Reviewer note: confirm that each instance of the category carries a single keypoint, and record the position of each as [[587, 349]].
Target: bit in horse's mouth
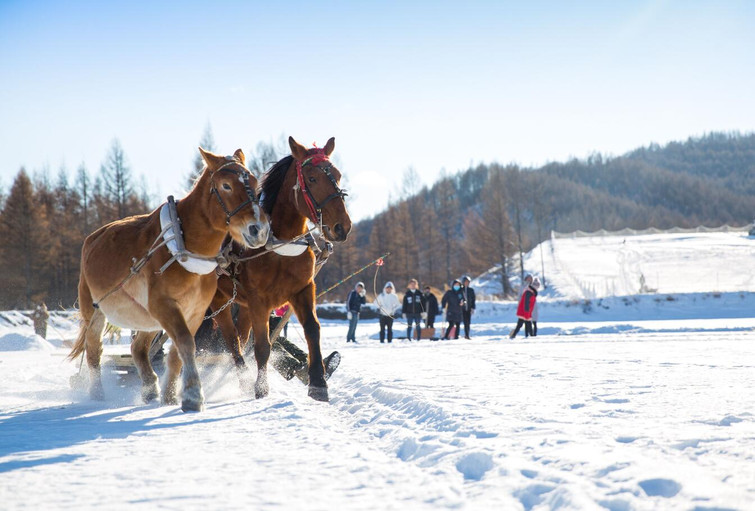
[[255, 242], [328, 233]]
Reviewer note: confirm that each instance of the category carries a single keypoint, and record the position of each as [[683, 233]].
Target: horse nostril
[[340, 233], [254, 231]]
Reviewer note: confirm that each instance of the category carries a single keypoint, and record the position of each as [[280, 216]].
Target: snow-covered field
[[621, 403], [600, 266]]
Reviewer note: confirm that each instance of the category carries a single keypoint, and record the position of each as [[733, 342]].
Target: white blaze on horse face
[[256, 232]]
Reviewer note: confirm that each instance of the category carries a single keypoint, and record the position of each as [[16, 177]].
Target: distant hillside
[[489, 214], [725, 159]]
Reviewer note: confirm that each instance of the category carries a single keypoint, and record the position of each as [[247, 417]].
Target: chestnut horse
[[158, 291], [302, 186]]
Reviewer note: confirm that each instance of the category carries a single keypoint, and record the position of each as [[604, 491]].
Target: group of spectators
[[416, 307]]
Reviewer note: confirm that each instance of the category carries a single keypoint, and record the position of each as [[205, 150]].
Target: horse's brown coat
[[174, 301], [271, 280]]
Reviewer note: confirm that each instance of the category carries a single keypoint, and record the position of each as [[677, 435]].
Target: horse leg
[[89, 339], [261, 350], [140, 353], [93, 335], [166, 311], [172, 371], [304, 307]]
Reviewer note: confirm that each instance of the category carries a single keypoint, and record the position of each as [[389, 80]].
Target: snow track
[[636, 420]]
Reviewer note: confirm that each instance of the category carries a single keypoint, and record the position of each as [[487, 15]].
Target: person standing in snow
[[526, 284], [276, 317], [453, 302], [39, 317], [469, 304], [413, 307], [535, 308], [431, 304], [524, 312], [354, 304], [388, 304]]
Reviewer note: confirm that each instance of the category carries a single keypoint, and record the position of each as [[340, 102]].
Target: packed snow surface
[[621, 403]]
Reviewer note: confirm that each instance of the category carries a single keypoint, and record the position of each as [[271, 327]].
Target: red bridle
[[316, 157]]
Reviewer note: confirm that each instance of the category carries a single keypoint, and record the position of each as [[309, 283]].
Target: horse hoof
[[191, 405], [318, 393], [150, 393], [261, 391], [96, 393]]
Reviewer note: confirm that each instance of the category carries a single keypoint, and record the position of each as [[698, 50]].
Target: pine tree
[[83, 187], [489, 230], [23, 227], [207, 142], [116, 179], [447, 212]]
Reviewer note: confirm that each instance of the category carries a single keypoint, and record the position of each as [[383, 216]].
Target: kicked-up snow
[[654, 419]]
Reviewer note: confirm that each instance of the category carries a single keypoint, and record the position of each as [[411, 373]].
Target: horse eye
[[226, 186], [312, 180]]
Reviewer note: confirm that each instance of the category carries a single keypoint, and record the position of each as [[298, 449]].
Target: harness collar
[[174, 242]]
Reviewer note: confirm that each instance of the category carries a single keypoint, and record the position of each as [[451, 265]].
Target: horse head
[[235, 207], [318, 180]]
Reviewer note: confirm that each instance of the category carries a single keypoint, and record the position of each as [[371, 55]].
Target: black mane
[[272, 182]]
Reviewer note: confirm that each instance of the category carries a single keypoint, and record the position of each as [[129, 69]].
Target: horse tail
[[86, 311], [81, 339]]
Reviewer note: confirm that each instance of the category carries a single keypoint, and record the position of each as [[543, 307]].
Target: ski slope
[[665, 263], [621, 403]]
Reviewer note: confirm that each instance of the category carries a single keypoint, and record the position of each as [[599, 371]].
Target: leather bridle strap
[[314, 207], [251, 196]]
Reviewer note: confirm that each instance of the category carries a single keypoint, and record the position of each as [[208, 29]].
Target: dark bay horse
[[302, 186], [140, 273]]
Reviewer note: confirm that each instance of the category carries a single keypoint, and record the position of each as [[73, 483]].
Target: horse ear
[[239, 155], [329, 146], [209, 158], [298, 151]]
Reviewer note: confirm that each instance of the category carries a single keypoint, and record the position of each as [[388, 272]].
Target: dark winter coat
[[452, 299], [432, 305], [469, 303], [355, 301], [527, 304], [414, 302]]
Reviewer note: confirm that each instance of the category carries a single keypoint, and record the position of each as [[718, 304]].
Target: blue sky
[[431, 85]]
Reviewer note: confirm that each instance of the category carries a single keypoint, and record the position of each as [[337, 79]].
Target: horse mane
[[272, 182]]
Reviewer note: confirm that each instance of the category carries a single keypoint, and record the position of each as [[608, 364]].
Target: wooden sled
[[426, 333]]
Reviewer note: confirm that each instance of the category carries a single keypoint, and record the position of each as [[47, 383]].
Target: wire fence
[[652, 230]]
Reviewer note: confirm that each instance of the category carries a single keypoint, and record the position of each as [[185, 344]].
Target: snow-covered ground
[[633, 402], [600, 266]]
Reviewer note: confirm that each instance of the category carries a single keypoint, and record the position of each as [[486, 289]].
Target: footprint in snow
[[660, 487], [473, 466]]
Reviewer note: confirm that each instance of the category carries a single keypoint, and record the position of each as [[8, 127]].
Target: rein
[[271, 245], [314, 207]]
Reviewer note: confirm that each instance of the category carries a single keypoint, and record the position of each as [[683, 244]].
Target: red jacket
[[527, 304]]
